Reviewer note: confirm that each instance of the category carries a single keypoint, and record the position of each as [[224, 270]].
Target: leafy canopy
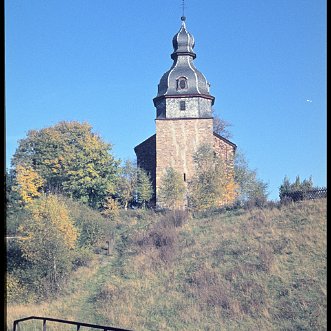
[[71, 160]]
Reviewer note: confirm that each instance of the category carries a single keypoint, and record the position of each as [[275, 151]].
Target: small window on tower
[[182, 105], [181, 83]]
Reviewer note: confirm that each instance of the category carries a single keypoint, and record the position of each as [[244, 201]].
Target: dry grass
[[237, 270], [67, 306]]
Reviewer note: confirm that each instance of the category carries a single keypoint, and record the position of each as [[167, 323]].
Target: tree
[[71, 160], [144, 187], [220, 126], [48, 237], [207, 188], [12, 196], [28, 183], [295, 190], [172, 189], [127, 183], [13, 201], [250, 188], [285, 187]]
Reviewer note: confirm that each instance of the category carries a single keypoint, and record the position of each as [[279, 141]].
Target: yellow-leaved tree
[[230, 191], [28, 183], [48, 239]]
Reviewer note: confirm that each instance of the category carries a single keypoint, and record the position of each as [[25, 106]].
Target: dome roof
[[183, 78], [183, 42]]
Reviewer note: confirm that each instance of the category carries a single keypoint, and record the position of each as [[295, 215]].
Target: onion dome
[[183, 42], [183, 79]]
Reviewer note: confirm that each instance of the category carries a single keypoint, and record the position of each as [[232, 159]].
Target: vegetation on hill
[[253, 264], [260, 268]]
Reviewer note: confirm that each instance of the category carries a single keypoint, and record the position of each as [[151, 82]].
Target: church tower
[[184, 118]]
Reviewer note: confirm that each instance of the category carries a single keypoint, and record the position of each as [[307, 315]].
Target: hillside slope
[[237, 270]]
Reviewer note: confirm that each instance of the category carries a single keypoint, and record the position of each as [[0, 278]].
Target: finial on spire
[[183, 18]]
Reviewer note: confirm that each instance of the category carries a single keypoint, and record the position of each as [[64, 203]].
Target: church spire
[[183, 42], [183, 79]]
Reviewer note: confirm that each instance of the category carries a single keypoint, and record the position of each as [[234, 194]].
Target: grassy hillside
[[237, 270]]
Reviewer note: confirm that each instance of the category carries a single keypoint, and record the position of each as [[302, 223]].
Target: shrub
[[14, 288], [48, 239], [163, 237], [93, 228]]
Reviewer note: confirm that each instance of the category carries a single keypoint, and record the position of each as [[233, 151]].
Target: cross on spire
[[183, 10]]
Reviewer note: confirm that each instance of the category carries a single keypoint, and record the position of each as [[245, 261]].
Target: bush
[[15, 289], [163, 237], [177, 217], [48, 239], [15, 219], [93, 227]]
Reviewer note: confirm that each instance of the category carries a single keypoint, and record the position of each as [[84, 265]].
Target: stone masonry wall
[[195, 107], [176, 142], [226, 151]]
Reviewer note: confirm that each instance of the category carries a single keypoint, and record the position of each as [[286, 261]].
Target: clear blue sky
[[101, 61]]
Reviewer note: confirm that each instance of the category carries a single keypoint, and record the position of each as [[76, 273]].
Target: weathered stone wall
[[194, 107], [176, 142], [226, 150]]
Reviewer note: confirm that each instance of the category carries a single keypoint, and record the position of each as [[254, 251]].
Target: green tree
[[207, 188], [172, 189], [297, 186], [48, 237], [284, 187], [71, 160], [307, 184], [127, 183], [250, 189], [144, 187]]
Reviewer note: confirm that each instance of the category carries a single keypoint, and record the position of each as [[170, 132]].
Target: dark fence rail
[[305, 195], [16, 326]]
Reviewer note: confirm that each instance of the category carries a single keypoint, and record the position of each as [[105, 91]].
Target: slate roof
[[183, 68]]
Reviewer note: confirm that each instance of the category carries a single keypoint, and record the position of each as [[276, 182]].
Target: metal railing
[[16, 326]]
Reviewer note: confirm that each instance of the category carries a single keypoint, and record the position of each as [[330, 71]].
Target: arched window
[[182, 83]]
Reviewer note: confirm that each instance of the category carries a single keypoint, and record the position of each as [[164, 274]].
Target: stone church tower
[[184, 118]]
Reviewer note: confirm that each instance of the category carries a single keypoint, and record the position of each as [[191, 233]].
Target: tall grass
[[231, 270]]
